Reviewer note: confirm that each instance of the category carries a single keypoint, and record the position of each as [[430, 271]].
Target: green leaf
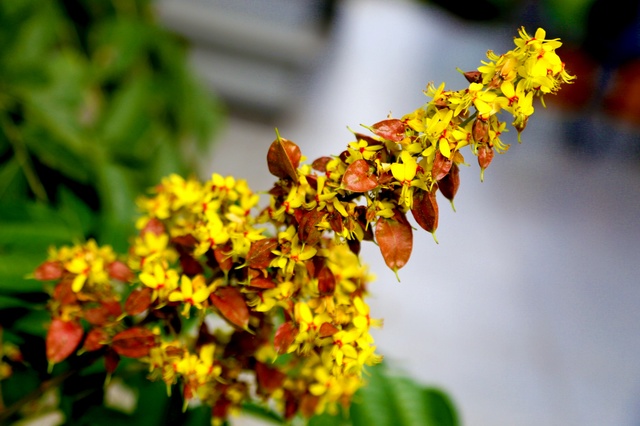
[[119, 45], [44, 142], [34, 236], [328, 420], [118, 189], [394, 399], [13, 302], [407, 396], [75, 213], [440, 408], [127, 115], [262, 413], [13, 184], [14, 267], [35, 322], [373, 404], [18, 385]]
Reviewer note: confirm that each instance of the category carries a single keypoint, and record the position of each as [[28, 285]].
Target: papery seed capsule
[[425, 210], [485, 155], [480, 131], [441, 166], [449, 184]]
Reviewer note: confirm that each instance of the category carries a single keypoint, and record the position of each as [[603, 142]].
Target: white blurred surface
[[527, 312]]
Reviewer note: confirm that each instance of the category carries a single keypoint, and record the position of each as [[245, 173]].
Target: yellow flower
[[291, 252], [361, 149], [192, 292], [159, 278], [405, 174], [211, 233], [88, 262]]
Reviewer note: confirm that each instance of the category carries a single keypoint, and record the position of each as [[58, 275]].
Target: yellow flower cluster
[[87, 262], [200, 247], [219, 291]]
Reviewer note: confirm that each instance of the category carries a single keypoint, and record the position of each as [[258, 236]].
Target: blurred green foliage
[[97, 103]]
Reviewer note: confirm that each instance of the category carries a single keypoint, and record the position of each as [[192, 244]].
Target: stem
[[22, 155], [471, 117]]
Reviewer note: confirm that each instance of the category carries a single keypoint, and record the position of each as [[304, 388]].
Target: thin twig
[[22, 155]]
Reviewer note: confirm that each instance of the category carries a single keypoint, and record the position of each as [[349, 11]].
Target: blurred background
[[527, 312]]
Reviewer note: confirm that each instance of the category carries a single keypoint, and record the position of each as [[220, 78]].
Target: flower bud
[[480, 131]]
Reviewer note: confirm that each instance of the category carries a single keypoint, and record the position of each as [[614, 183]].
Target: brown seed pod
[[449, 184], [485, 155], [425, 210]]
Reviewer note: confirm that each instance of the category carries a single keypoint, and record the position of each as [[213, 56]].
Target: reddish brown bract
[[425, 209], [49, 270], [284, 337], [395, 238], [283, 159], [260, 255], [135, 342], [138, 301], [359, 178], [231, 305], [63, 337], [391, 129]]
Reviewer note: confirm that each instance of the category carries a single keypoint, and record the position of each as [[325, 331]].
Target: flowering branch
[[287, 280]]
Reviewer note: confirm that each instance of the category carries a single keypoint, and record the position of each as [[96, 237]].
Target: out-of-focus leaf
[[25, 235], [35, 322], [393, 399], [14, 267], [57, 108], [13, 302], [118, 44], [13, 184], [117, 187], [75, 213], [33, 34], [441, 410], [340, 419], [127, 116], [44, 144], [18, 385], [263, 413], [166, 160], [373, 403]]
